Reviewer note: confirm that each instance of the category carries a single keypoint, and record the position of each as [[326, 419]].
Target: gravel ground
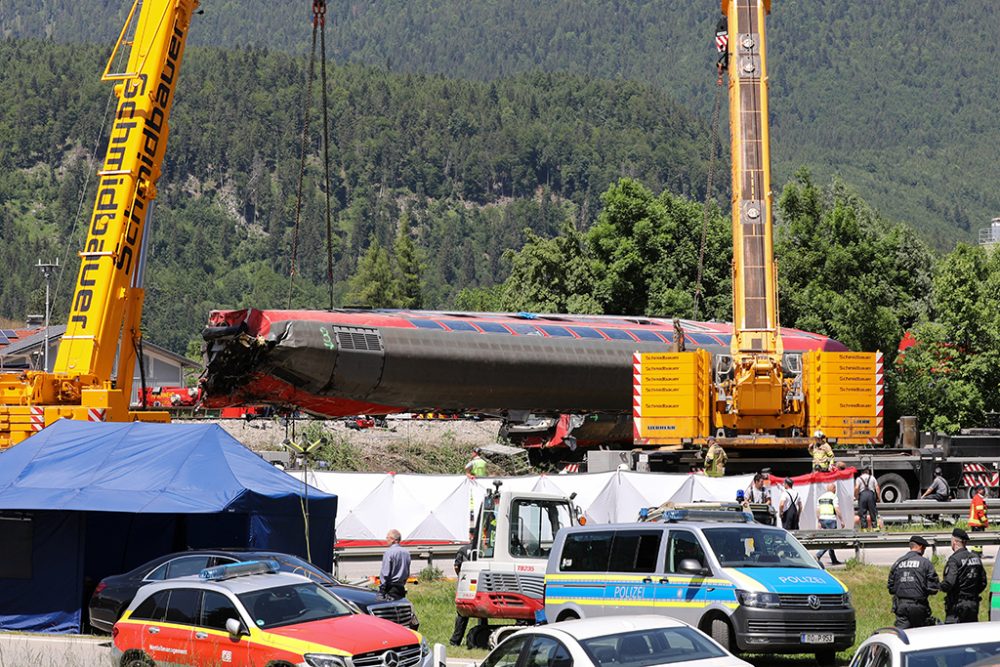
[[406, 445]]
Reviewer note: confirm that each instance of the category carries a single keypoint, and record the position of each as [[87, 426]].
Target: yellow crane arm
[[103, 327], [107, 302], [755, 299]]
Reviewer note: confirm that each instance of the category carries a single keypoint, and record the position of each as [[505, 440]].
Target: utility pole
[[47, 270]]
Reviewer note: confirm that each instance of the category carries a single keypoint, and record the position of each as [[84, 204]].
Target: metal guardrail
[[850, 539], [428, 552], [929, 508]]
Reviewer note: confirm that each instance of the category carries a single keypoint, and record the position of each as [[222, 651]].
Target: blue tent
[[80, 501]]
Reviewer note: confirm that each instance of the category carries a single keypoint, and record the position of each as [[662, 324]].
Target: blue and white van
[[751, 587]]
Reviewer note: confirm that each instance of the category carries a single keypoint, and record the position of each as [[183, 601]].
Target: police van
[[751, 587]]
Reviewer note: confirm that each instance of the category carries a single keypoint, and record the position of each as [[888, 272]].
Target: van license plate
[[817, 638]]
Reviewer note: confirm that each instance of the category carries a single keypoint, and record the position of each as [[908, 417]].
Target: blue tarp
[[93, 499]]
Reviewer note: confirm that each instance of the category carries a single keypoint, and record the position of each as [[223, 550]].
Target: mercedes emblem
[[391, 658]]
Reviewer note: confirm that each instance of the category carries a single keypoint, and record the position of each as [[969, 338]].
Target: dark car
[[113, 594]]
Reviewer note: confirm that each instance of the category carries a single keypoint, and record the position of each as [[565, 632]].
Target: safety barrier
[[924, 508], [858, 541]]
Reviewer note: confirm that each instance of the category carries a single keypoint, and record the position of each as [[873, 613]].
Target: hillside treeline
[[898, 99], [463, 168]]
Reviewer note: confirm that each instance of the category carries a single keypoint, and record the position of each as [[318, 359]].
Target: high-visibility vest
[[823, 456], [977, 512], [715, 461], [478, 468], [827, 505]]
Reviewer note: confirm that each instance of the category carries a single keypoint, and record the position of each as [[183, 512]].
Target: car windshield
[[296, 603], [656, 646], [954, 656], [296, 565], [750, 546]]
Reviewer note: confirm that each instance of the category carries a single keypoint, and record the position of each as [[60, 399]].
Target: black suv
[[114, 593]]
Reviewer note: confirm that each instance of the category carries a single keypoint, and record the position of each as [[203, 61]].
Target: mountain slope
[[897, 98], [463, 167]]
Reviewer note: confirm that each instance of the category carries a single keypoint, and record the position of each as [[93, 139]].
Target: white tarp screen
[[438, 508]]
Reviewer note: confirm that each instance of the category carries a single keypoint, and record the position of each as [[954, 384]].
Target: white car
[[951, 645], [617, 641]]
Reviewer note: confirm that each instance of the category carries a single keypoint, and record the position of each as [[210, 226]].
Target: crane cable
[[318, 25], [716, 112]]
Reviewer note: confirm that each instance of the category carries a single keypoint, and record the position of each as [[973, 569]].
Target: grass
[[435, 605]]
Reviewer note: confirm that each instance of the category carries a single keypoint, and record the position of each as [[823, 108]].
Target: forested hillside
[[445, 174], [897, 98]]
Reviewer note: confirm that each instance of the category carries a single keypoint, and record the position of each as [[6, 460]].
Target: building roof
[[31, 338]]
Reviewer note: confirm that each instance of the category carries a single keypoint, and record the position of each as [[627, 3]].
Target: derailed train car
[[346, 362]]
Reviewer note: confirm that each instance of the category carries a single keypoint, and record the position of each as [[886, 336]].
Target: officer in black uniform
[[964, 579], [911, 580]]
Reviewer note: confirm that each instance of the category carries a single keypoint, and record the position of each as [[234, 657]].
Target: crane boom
[[92, 375], [755, 302], [757, 395]]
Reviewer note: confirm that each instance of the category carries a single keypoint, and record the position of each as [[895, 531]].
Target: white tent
[[438, 508]]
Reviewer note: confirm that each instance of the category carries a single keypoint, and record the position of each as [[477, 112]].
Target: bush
[[429, 574]]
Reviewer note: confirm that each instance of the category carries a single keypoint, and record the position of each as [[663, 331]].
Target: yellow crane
[[92, 375], [756, 395]]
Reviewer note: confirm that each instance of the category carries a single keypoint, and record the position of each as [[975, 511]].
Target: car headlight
[[425, 647], [325, 660], [757, 599]]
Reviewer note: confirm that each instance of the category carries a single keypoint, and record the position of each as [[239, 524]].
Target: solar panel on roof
[[4, 340], [9, 333]]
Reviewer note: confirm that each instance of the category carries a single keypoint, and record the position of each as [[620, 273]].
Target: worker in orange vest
[[978, 521]]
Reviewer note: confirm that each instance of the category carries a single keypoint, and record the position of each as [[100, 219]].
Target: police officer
[[911, 580], [964, 579]]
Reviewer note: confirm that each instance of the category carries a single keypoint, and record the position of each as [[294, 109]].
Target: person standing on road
[[822, 452], [829, 519], [939, 489], [963, 582], [395, 568], [715, 459], [791, 507], [912, 580], [476, 465], [867, 492], [978, 521]]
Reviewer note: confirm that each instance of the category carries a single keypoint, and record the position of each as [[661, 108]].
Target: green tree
[[374, 284], [646, 251], [408, 267], [551, 276], [844, 272]]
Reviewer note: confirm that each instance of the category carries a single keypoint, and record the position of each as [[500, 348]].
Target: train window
[[493, 327], [524, 329], [560, 332], [701, 339], [726, 339], [667, 336], [427, 324], [617, 334], [456, 325], [585, 332], [648, 336]]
